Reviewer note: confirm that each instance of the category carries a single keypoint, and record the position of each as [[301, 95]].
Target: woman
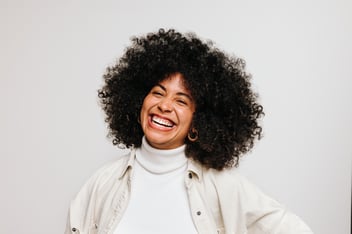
[[188, 112]]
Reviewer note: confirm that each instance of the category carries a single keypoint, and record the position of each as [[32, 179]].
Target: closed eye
[[182, 102], [157, 93]]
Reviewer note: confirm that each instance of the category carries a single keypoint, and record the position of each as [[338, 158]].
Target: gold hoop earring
[[193, 135]]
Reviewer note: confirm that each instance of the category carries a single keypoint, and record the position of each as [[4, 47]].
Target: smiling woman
[[167, 112], [188, 112]]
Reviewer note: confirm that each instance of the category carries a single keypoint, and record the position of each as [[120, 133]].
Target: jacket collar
[[129, 164], [192, 166], [195, 168]]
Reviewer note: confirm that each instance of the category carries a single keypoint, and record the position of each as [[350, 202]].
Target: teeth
[[161, 121]]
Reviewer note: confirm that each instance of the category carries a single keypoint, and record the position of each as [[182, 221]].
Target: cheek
[[142, 112], [144, 109], [187, 118], [148, 100]]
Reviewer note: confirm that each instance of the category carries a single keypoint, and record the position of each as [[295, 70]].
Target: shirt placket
[[203, 222]]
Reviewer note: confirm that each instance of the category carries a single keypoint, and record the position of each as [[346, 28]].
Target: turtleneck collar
[[159, 161]]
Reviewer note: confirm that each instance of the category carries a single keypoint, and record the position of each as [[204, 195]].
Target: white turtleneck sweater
[[158, 202]]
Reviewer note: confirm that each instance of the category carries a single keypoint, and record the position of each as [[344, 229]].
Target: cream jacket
[[220, 202]]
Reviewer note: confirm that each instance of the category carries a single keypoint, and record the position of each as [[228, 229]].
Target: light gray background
[[52, 133]]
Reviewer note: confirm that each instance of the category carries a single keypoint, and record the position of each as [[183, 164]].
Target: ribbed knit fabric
[[158, 202]]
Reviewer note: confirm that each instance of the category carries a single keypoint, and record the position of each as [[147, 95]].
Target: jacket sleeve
[[264, 215]]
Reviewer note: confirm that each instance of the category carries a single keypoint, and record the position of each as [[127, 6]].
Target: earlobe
[[193, 135]]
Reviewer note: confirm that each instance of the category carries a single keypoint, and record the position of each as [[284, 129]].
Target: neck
[[158, 161]]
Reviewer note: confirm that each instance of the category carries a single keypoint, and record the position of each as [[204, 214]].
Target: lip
[[158, 126]]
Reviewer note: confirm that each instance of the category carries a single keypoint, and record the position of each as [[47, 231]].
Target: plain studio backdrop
[[52, 132]]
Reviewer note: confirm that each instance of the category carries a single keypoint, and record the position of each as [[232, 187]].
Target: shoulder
[[93, 193], [228, 177], [230, 183], [111, 171]]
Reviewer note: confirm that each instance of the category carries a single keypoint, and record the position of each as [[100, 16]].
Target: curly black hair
[[227, 111]]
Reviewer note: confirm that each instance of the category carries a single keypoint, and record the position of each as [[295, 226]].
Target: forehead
[[175, 82]]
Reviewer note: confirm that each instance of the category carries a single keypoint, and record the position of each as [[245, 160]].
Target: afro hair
[[227, 111]]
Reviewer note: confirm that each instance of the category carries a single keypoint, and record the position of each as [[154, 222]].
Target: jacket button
[[190, 175], [199, 213], [74, 229]]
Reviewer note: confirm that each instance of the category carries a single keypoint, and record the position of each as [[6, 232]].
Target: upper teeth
[[162, 121]]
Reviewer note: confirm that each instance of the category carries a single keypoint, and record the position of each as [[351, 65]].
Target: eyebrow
[[179, 93]]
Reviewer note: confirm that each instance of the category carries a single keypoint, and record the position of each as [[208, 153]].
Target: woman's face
[[167, 112]]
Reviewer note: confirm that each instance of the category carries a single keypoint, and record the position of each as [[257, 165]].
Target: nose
[[165, 105]]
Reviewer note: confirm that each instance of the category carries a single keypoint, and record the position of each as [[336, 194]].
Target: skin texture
[[227, 111], [167, 112]]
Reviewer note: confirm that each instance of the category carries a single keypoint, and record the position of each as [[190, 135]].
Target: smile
[[162, 121]]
